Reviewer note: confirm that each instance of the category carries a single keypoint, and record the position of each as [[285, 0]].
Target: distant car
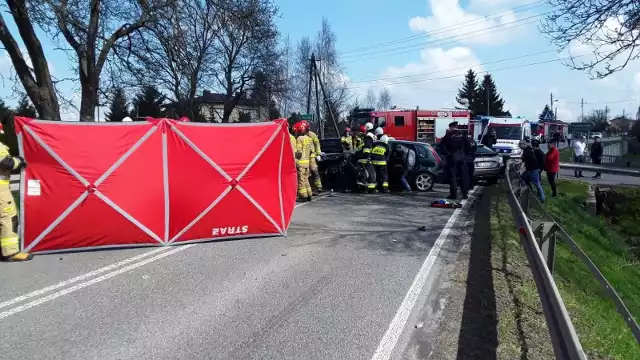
[[488, 164], [427, 171]]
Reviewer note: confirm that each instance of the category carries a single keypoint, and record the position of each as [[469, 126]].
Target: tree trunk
[[89, 90]]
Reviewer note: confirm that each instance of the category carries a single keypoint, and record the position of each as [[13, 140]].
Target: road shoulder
[[487, 300]]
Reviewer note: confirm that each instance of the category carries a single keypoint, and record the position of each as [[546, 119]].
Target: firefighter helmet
[[184, 119], [368, 126], [1, 128], [379, 131], [363, 129], [126, 119], [305, 125], [347, 130], [384, 139]]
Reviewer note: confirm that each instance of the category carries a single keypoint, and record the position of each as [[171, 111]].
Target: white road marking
[[79, 278], [88, 275], [82, 285], [391, 337]]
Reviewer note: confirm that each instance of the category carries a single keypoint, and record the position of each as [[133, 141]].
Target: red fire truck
[[419, 125]]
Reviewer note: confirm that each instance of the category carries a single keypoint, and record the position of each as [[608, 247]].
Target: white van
[[509, 133]]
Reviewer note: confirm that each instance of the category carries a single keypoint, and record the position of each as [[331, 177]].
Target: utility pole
[[582, 110], [551, 102], [318, 118], [312, 63]]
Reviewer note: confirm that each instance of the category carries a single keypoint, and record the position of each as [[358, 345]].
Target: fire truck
[[415, 125], [546, 129]]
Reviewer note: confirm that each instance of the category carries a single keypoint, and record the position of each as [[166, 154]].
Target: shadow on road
[[478, 331]]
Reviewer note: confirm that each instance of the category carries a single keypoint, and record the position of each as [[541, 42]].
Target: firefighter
[[365, 157], [9, 241], [347, 140], [303, 152], [358, 138], [379, 157], [379, 132], [316, 155]]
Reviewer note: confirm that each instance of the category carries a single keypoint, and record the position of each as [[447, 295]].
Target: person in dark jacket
[[471, 157], [456, 147], [531, 167], [490, 138], [535, 144], [596, 154], [406, 158]]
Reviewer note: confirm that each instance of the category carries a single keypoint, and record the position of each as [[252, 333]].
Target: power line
[[460, 68], [516, 9], [455, 38], [479, 72]]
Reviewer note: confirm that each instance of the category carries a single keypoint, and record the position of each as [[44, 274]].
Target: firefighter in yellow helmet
[[379, 157], [358, 138], [9, 241], [316, 153], [303, 153]]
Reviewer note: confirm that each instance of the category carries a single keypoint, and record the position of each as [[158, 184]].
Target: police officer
[[471, 156], [9, 241], [315, 156], [303, 153], [456, 147], [379, 157], [347, 140]]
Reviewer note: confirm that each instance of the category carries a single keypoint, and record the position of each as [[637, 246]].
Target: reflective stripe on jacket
[[303, 150], [380, 154]]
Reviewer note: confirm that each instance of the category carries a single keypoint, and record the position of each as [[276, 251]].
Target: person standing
[[347, 140], [535, 144], [303, 153], [569, 137], [379, 157], [316, 155], [9, 240], [456, 148], [578, 153], [595, 153], [532, 168], [552, 167]]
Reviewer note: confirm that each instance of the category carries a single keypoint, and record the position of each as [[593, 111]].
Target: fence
[[612, 150], [539, 240]]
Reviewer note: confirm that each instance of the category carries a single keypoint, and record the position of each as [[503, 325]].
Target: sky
[[420, 51]]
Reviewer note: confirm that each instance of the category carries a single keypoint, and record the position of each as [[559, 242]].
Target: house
[[211, 108], [620, 124]]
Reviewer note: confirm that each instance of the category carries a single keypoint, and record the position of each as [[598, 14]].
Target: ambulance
[[509, 131]]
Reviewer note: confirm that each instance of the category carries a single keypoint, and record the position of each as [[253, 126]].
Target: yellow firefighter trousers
[[304, 187], [315, 174], [9, 241]]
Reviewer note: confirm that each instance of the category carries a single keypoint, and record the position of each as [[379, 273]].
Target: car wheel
[[423, 181]]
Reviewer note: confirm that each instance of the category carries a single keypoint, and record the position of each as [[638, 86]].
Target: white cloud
[[410, 86], [449, 21]]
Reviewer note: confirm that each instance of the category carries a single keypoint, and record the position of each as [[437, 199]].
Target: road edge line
[[399, 322]]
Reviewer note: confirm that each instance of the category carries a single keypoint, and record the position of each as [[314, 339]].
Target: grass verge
[[601, 330], [522, 329], [566, 155]]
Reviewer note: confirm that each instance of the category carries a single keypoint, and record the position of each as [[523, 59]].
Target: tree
[[264, 90], [89, 29], [148, 102], [25, 108], [330, 69], [247, 41], [371, 100], [119, 108], [610, 27], [176, 53], [546, 113], [35, 78], [384, 99], [300, 76], [468, 94], [9, 137], [488, 91], [244, 117], [599, 119], [274, 112]]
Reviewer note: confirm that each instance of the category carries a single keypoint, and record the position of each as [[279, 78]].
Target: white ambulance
[[509, 131]]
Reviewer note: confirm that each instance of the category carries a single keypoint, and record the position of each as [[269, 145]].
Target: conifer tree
[[119, 108]]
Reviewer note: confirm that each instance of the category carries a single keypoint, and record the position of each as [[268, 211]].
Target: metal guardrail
[[614, 170], [538, 239]]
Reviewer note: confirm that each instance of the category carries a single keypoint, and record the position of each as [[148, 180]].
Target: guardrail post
[[545, 233]]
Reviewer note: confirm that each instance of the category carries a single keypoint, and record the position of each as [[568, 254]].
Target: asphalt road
[[330, 290]]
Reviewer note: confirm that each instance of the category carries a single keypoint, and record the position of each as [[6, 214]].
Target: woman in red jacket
[[552, 166]]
